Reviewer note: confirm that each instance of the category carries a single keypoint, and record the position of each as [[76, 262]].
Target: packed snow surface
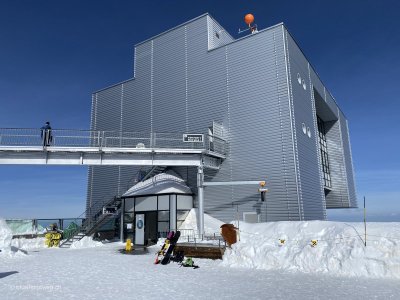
[[339, 250], [86, 242], [105, 273]]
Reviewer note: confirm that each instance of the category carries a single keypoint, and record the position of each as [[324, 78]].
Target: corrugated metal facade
[[311, 98], [195, 74], [309, 176]]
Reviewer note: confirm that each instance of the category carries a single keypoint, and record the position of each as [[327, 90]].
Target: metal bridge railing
[[105, 139]]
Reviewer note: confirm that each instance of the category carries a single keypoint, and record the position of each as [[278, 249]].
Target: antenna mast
[[249, 19]]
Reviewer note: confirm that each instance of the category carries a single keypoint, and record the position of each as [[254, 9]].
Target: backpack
[[189, 263]]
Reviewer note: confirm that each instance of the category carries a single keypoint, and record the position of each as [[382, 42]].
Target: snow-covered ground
[[256, 268], [104, 273]]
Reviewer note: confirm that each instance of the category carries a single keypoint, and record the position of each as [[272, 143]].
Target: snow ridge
[[339, 251]]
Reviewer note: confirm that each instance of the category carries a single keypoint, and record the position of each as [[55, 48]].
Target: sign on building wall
[[193, 138]]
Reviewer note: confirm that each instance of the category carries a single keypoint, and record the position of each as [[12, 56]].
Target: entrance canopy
[[163, 183]]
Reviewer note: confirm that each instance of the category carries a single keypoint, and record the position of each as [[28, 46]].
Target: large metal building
[[280, 122]]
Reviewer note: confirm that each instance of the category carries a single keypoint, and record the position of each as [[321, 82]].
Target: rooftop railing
[[24, 137]]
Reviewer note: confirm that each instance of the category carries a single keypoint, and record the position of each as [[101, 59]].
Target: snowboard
[[161, 253], [167, 257]]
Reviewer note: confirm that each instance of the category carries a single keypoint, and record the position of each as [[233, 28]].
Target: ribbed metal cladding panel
[[169, 82], [352, 200], [136, 106], [89, 189], [316, 82], [136, 117], [330, 101], [108, 109], [104, 186], [208, 102], [324, 93], [210, 99], [128, 178], [217, 35], [104, 180], [260, 136], [137, 114], [312, 196], [338, 197]]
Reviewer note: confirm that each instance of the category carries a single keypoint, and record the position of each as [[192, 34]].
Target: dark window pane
[[163, 215]]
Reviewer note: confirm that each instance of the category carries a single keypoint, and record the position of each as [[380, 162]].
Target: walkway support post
[[200, 192], [121, 223]]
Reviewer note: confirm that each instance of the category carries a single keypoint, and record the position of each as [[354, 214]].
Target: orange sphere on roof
[[249, 18]]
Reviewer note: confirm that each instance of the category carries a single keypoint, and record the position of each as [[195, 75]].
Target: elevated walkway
[[85, 147]]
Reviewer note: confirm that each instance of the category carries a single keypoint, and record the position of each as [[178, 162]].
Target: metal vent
[[250, 217]]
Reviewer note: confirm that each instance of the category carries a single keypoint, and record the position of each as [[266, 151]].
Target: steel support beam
[[211, 183], [200, 194], [93, 159], [121, 223]]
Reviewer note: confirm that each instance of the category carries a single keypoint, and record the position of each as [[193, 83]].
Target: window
[[324, 153]]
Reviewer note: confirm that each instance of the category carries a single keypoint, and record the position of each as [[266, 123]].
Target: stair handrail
[[88, 222]]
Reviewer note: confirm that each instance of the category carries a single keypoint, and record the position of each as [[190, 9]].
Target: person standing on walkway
[[45, 134]]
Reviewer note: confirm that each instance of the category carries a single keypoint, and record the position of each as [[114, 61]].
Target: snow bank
[[340, 249], [211, 224], [86, 242], [29, 244], [7, 250], [5, 235]]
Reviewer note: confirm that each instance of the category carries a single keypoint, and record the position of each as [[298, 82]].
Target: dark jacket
[[44, 128]]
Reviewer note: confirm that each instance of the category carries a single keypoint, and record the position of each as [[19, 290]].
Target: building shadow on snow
[[5, 274]]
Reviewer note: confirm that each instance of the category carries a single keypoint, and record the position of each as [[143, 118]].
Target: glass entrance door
[[150, 227]]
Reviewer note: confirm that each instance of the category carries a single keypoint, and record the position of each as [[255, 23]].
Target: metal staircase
[[92, 225], [108, 211], [68, 242]]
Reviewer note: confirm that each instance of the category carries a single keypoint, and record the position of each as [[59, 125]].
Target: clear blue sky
[[54, 54]]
